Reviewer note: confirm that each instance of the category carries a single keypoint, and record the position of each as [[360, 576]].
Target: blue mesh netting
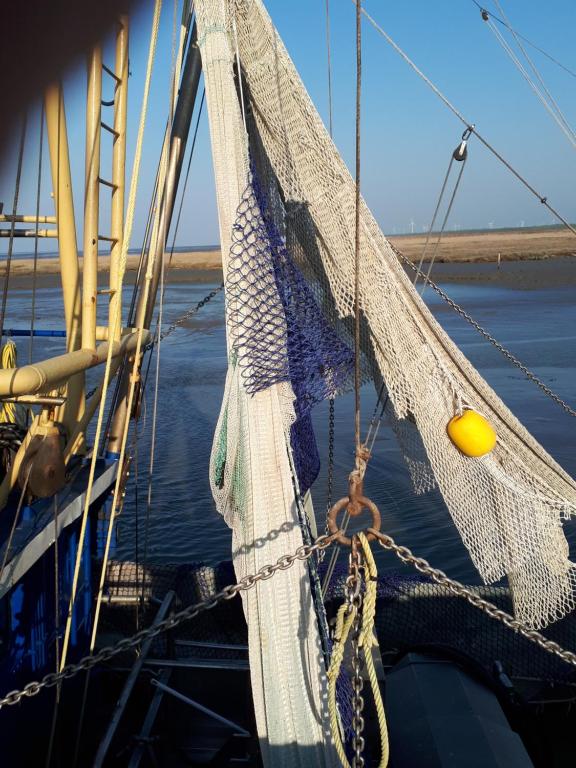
[[280, 333]]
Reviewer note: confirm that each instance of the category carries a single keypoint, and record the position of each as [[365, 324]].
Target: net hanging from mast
[[509, 505], [252, 469], [279, 331]]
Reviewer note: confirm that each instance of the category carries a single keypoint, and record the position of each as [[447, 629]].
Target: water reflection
[[536, 325]]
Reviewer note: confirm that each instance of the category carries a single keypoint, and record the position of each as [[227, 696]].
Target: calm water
[[538, 326]]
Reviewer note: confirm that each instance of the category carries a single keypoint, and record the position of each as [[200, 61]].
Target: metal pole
[[91, 199], [50, 373], [138, 751], [178, 139], [201, 708], [128, 687], [28, 219], [118, 173], [68, 251]]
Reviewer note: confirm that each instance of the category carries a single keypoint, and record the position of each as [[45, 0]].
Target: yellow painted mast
[[118, 171], [91, 198], [68, 251]]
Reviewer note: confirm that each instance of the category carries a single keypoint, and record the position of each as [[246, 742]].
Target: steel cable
[[469, 125]]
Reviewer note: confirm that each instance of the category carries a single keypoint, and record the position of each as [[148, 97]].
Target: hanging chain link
[[330, 472], [483, 332], [176, 324], [330, 478], [186, 316], [355, 599], [266, 572], [491, 610]]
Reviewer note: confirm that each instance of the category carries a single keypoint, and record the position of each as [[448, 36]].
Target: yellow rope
[[368, 640], [122, 268], [9, 357], [344, 621]]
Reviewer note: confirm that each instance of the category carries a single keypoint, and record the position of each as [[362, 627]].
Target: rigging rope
[[531, 44], [122, 268], [185, 186], [36, 239], [548, 102], [536, 72], [132, 309], [357, 371], [16, 518], [175, 79], [55, 712], [369, 440], [145, 250], [470, 126], [329, 67], [13, 224], [134, 377], [330, 479], [331, 408], [460, 154]]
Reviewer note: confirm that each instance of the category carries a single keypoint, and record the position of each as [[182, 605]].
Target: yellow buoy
[[471, 433]]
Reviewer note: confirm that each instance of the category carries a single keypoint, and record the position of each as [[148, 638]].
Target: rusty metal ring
[[362, 502]]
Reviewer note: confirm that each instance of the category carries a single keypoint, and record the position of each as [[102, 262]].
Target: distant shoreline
[[456, 250]]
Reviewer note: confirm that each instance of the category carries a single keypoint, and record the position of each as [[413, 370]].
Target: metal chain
[[91, 392], [491, 610], [187, 315], [330, 475], [355, 599], [266, 572], [330, 478], [483, 332]]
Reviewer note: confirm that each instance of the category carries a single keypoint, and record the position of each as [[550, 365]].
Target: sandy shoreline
[[529, 259]]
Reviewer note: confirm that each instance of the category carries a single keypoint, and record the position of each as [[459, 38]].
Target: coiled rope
[[347, 614]]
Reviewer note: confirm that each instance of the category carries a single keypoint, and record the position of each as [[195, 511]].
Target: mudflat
[[523, 258], [485, 246]]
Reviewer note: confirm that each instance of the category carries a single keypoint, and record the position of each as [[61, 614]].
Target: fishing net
[[508, 506], [279, 332], [411, 612], [252, 468], [287, 227]]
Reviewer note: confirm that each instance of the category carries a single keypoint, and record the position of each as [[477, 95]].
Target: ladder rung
[[28, 219], [111, 73], [107, 183], [108, 239], [109, 128], [107, 103], [8, 233]]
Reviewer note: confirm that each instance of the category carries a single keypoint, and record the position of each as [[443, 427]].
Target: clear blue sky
[[407, 135]]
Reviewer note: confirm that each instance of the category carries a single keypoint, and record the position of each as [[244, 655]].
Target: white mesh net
[[508, 506], [251, 473]]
